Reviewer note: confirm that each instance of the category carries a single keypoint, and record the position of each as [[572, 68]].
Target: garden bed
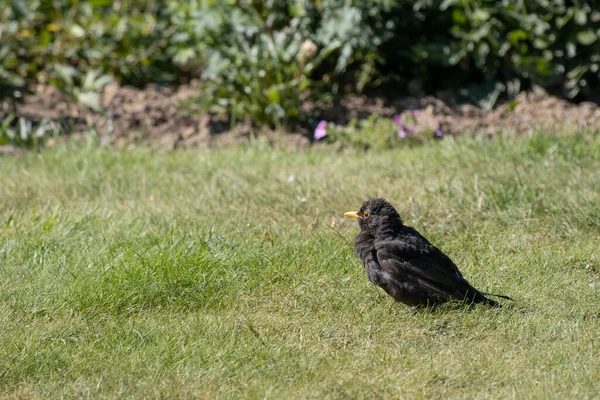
[[154, 116]]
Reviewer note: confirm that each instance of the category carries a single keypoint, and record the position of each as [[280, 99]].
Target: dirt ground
[[153, 115]]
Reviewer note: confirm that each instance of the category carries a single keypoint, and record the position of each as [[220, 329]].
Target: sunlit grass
[[230, 273]]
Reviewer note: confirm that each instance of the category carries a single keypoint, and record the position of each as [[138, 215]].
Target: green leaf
[[90, 77], [100, 3], [458, 16], [562, 20], [20, 8], [447, 4], [540, 44], [90, 99], [45, 38], [65, 73], [577, 72], [6, 123], [344, 58], [481, 15], [517, 35], [274, 95], [580, 16], [571, 89], [180, 37], [103, 81], [184, 55], [586, 37]]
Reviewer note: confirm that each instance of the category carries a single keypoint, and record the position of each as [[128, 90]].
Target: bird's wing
[[408, 272], [417, 261]]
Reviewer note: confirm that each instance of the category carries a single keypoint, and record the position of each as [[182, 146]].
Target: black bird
[[403, 263]]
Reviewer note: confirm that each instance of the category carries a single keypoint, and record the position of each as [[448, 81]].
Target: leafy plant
[[551, 43], [24, 133], [11, 84], [273, 61], [81, 88], [263, 81]]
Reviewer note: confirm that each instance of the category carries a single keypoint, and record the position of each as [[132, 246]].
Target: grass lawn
[[231, 273]]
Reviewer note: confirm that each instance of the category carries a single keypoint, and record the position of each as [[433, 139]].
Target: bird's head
[[375, 215]]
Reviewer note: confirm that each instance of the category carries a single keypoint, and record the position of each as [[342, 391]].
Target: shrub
[[264, 59], [273, 61], [547, 43], [128, 39]]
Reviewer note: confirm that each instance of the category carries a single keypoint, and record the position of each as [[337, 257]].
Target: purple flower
[[438, 133], [405, 129], [321, 130], [415, 113]]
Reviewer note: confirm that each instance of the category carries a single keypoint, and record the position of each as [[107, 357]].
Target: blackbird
[[406, 265]]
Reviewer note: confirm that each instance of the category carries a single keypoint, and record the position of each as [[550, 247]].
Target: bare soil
[[153, 115]]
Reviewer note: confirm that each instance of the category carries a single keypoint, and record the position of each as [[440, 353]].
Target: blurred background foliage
[[275, 60]]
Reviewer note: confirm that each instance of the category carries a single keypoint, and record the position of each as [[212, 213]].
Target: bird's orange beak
[[352, 214]]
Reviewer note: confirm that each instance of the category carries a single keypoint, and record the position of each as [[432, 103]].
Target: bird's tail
[[486, 300], [497, 295], [477, 296]]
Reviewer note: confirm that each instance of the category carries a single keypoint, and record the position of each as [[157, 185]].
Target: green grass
[[231, 273]]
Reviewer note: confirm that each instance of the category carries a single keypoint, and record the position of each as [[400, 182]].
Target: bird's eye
[[366, 214]]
